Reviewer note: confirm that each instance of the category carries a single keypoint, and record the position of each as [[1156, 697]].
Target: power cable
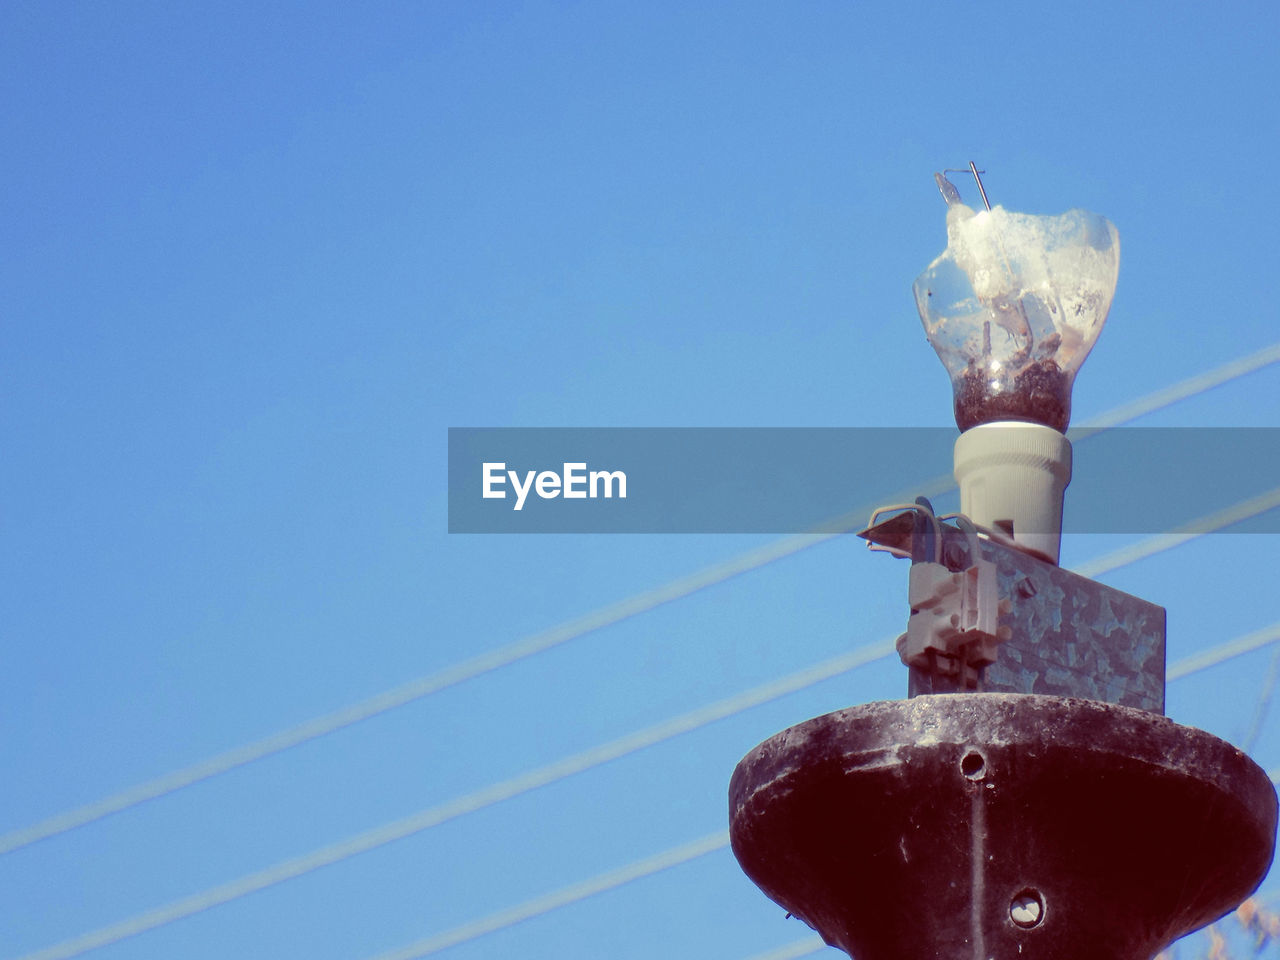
[[478, 928], [1226, 651], [1179, 391], [813, 945], [792, 951], [470, 803], [543, 776], [1250, 738], [1149, 546], [424, 686], [606, 616], [560, 898]]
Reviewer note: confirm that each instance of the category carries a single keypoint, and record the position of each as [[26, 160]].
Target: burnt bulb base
[[1039, 393]]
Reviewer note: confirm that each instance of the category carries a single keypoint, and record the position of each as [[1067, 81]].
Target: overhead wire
[[475, 929], [606, 616], [559, 770], [792, 951], [1250, 739], [1226, 651], [672, 858], [436, 682], [460, 806], [1178, 391], [559, 898], [1149, 546]]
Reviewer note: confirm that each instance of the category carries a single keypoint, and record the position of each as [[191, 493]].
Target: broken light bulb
[[1013, 306]]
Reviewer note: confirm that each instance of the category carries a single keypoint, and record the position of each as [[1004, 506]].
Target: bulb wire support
[[948, 189]]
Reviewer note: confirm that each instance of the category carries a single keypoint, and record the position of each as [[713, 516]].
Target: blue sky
[[259, 260]]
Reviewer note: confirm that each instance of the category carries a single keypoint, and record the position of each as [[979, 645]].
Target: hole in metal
[[1027, 909], [973, 766]]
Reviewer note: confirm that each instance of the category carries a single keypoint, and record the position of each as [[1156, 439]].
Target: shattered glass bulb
[[1014, 305]]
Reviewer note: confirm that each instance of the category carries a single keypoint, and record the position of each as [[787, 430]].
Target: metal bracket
[[1055, 632], [952, 630]]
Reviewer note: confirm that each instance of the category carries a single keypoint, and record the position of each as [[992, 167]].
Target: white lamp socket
[[1012, 477]]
